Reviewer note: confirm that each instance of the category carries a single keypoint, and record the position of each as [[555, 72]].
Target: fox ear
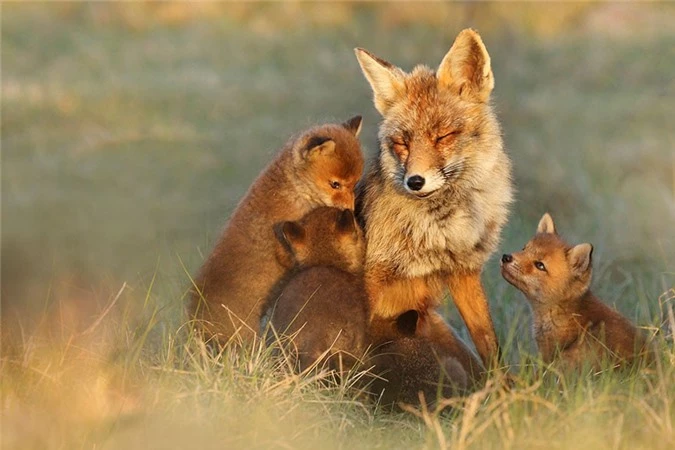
[[317, 145], [290, 236], [289, 233], [345, 222], [466, 68], [386, 80], [546, 225], [580, 258], [354, 125], [406, 323]]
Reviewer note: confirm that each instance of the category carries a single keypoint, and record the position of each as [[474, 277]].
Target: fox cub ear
[[290, 235], [406, 323], [354, 125], [386, 80], [546, 225], [315, 146], [345, 222], [466, 68], [580, 257], [291, 232]]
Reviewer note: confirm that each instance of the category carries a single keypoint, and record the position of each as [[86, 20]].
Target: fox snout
[[415, 182], [422, 174], [422, 184], [344, 202], [509, 267]]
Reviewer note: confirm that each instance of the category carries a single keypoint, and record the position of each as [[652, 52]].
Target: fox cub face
[[547, 270], [323, 237], [435, 123], [329, 162]]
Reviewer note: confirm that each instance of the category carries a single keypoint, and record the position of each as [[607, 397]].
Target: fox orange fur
[[570, 324], [435, 200], [319, 167]]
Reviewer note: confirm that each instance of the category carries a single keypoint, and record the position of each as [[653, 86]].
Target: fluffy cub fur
[[406, 365], [320, 167], [570, 325]]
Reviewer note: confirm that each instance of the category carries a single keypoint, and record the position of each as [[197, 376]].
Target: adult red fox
[[434, 201]]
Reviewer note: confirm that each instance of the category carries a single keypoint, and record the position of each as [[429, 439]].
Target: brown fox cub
[[319, 167], [435, 200], [570, 323], [320, 305]]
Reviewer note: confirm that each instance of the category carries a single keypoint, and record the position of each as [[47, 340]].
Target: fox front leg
[[469, 297]]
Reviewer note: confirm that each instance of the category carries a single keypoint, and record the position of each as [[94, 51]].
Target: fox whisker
[[452, 169]]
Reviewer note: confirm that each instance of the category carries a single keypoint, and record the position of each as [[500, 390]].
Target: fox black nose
[[507, 258], [415, 182]]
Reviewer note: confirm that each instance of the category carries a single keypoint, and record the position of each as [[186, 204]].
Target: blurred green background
[[130, 131]]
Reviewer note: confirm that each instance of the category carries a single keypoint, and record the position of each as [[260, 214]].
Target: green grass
[[129, 134]]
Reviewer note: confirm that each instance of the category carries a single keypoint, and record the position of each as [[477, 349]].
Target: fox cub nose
[[415, 182], [507, 258]]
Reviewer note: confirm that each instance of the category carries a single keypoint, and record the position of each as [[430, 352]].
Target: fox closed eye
[[453, 133], [399, 142]]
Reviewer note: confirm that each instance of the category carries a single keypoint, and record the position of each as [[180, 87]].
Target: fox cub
[[319, 167], [320, 305], [571, 325]]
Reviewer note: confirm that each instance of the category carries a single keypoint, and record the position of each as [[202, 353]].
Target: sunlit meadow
[[130, 131]]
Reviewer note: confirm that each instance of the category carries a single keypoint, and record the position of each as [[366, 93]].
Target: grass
[[130, 132]]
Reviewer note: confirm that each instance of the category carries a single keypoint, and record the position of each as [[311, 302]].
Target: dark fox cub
[[319, 310], [320, 305], [571, 325]]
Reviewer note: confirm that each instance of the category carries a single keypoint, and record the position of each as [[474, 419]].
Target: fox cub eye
[[335, 184], [540, 265]]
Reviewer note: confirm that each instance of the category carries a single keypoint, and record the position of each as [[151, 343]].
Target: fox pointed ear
[[466, 68], [546, 225], [406, 323], [289, 233], [386, 80], [317, 145], [345, 221], [354, 125], [580, 258]]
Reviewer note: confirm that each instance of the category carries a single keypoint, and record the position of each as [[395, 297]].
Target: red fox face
[[547, 270], [329, 163], [435, 123], [324, 236]]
